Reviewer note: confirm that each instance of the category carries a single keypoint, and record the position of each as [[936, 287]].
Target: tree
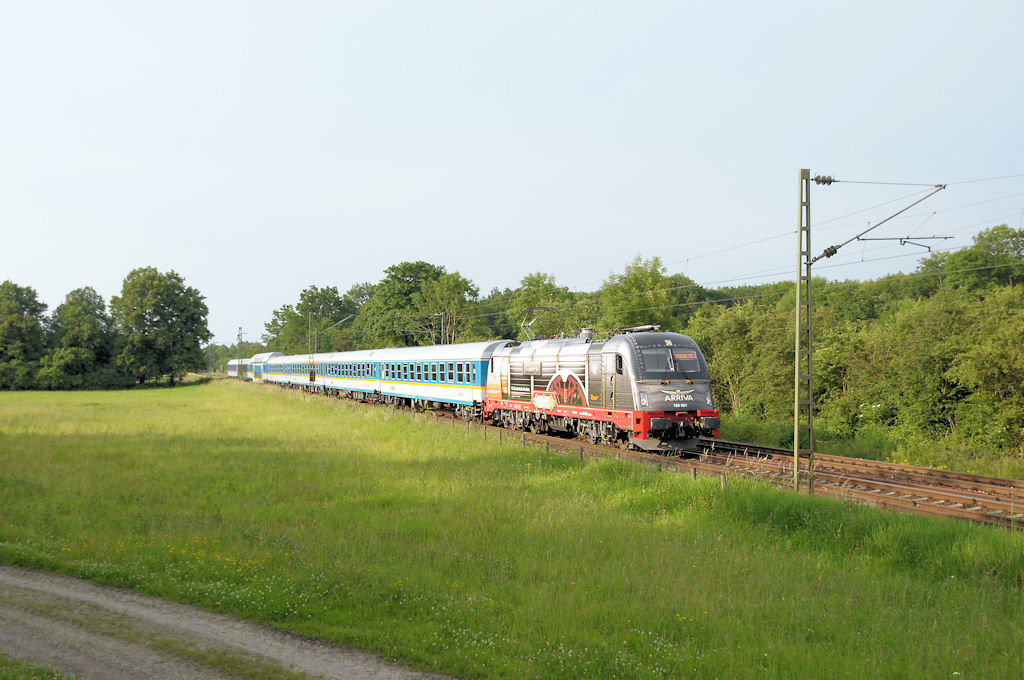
[[685, 296], [295, 329], [163, 322], [82, 344], [638, 296], [995, 258], [749, 350], [445, 312], [22, 340], [217, 356], [390, 318], [991, 366]]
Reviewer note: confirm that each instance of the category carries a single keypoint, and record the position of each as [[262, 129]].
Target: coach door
[[608, 381]]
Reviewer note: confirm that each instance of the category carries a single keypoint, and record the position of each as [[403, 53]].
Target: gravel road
[[92, 631]]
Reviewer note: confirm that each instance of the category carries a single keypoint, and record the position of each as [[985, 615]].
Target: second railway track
[[893, 486]]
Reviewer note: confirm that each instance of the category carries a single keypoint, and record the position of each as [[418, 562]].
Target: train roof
[[466, 351], [262, 358]]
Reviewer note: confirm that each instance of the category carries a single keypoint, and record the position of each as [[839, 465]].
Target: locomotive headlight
[[643, 398]]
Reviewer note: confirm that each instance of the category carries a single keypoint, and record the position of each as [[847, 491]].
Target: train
[[638, 388]]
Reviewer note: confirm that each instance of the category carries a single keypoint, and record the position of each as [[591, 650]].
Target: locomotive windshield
[[666, 363]]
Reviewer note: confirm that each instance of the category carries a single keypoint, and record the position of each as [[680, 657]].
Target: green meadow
[[12, 669], [448, 551]]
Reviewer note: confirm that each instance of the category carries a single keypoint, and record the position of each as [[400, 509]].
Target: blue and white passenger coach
[[454, 375]]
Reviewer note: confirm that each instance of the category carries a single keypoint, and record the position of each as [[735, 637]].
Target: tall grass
[[883, 443], [430, 544]]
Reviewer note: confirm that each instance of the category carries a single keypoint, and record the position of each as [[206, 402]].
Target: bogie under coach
[[639, 388]]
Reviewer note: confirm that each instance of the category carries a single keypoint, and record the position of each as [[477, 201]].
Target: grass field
[[12, 669], [394, 533]]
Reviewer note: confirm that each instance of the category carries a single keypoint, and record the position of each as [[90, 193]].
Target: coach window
[[474, 374], [451, 372], [419, 372]]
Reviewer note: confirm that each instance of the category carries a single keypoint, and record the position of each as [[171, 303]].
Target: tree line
[[154, 329], [934, 353]]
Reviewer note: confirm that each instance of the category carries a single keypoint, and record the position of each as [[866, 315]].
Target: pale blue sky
[[260, 147]]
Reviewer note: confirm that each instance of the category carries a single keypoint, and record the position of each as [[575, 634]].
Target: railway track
[[908, 488], [903, 488]]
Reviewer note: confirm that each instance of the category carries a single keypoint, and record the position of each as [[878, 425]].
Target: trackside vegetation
[[430, 544]]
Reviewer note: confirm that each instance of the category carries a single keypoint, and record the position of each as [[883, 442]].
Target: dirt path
[[92, 631]]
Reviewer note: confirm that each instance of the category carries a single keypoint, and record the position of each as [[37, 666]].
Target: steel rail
[[905, 488]]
